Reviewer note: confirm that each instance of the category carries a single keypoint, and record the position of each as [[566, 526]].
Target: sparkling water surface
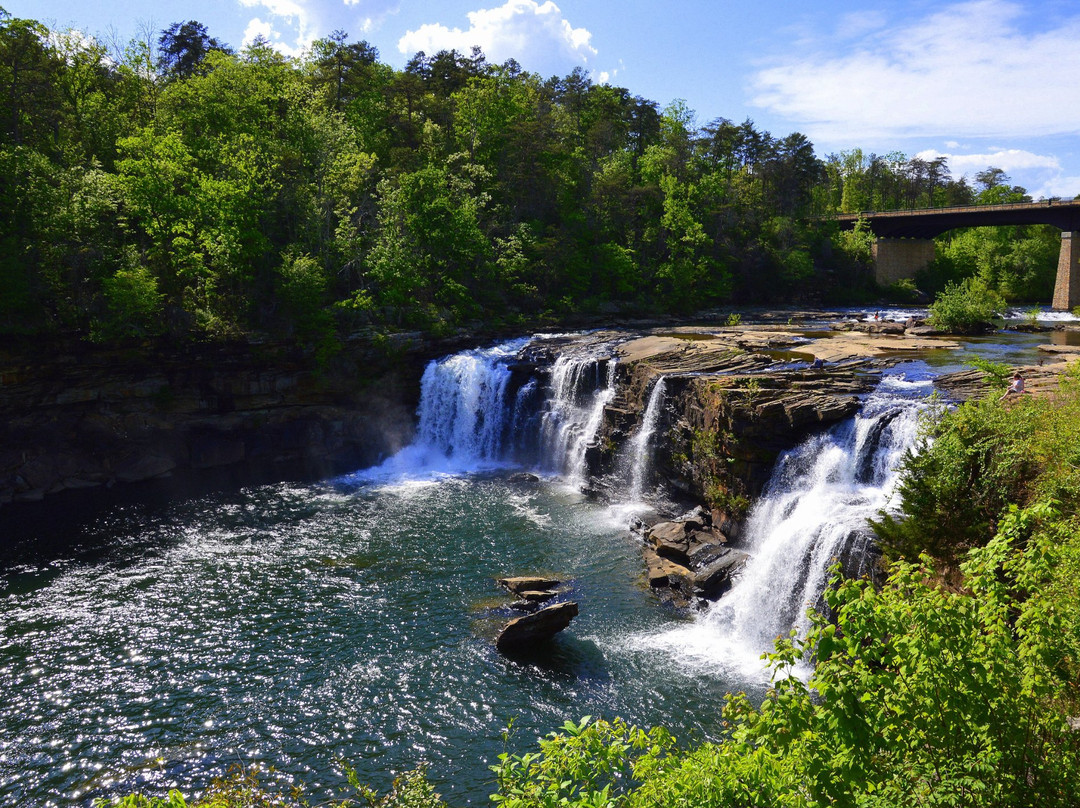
[[302, 625]]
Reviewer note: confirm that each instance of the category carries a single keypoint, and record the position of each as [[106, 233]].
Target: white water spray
[[640, 458], [813, 512], [471, 418]]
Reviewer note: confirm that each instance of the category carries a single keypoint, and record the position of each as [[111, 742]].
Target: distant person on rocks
[[1016, 386], [819, 363]]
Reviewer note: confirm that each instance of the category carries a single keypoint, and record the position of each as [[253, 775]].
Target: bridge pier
[[897, 258], [1067, 286]]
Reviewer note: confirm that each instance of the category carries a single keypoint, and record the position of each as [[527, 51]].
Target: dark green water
[[303, 625]]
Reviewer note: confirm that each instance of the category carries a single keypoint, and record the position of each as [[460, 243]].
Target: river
[[301, 625]]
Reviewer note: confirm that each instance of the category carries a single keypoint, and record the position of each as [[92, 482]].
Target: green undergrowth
[[973, 461]]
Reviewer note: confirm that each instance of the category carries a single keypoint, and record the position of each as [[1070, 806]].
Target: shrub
[[970, 463], [919, 696], [134, 305], [965, 307]]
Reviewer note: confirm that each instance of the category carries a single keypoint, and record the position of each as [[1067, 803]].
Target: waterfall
[[473, 415], [574, 412], [462, 405], [813, 511], [640, 458]]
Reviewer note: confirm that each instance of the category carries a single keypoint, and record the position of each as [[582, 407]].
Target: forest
[[173, 187]]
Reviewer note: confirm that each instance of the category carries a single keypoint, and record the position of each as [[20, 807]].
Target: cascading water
[[472, 415], [640, 458], [573, 413], [462, 405], [813, 511]]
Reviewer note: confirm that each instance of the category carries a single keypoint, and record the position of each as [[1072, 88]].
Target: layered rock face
[[734, 400], [82, 417], [733, 403]]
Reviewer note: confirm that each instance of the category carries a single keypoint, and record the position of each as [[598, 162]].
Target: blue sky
[[984, 82]]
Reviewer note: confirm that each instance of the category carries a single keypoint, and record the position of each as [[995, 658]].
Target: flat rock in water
[[528, 583], [522, 633], [537, 596]]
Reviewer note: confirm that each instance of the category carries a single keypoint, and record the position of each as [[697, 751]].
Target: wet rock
[[144, 467], [672, 582], [706, 552], [528, 631], [528, 583], [923, 331], [527, 606], [670, 540], [697, 518], [723, 523], [537, 596], [715, 579], [523, 478]]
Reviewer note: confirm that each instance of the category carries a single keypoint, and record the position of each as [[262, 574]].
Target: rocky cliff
[[734, 401], [79, 417]]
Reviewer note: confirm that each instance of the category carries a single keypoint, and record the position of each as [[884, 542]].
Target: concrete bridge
[[903, 242]]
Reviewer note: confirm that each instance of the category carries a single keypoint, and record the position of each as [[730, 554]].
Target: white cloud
[[1043, 174], [292, 14], [965, 71], [536, 35], [374, 12], [1064, 187], [1009, 160], [859, 23]]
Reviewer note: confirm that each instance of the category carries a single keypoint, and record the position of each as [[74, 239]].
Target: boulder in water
[[529, 583], [526, 632], [523, 478]]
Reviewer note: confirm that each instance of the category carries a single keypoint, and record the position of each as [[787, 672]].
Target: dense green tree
[[183, 47]]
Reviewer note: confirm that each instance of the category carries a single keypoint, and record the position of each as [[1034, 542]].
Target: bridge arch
[[903, 239]]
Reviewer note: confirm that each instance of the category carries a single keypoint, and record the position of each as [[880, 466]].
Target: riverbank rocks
[[687, 560]]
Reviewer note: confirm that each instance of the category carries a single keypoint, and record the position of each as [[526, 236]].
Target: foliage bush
[[970, 463], [134, 305], [974, 461], [903, 291], [246, 787], [965, 307]]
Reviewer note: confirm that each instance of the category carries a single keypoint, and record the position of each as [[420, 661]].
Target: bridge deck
[[930, 222]]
